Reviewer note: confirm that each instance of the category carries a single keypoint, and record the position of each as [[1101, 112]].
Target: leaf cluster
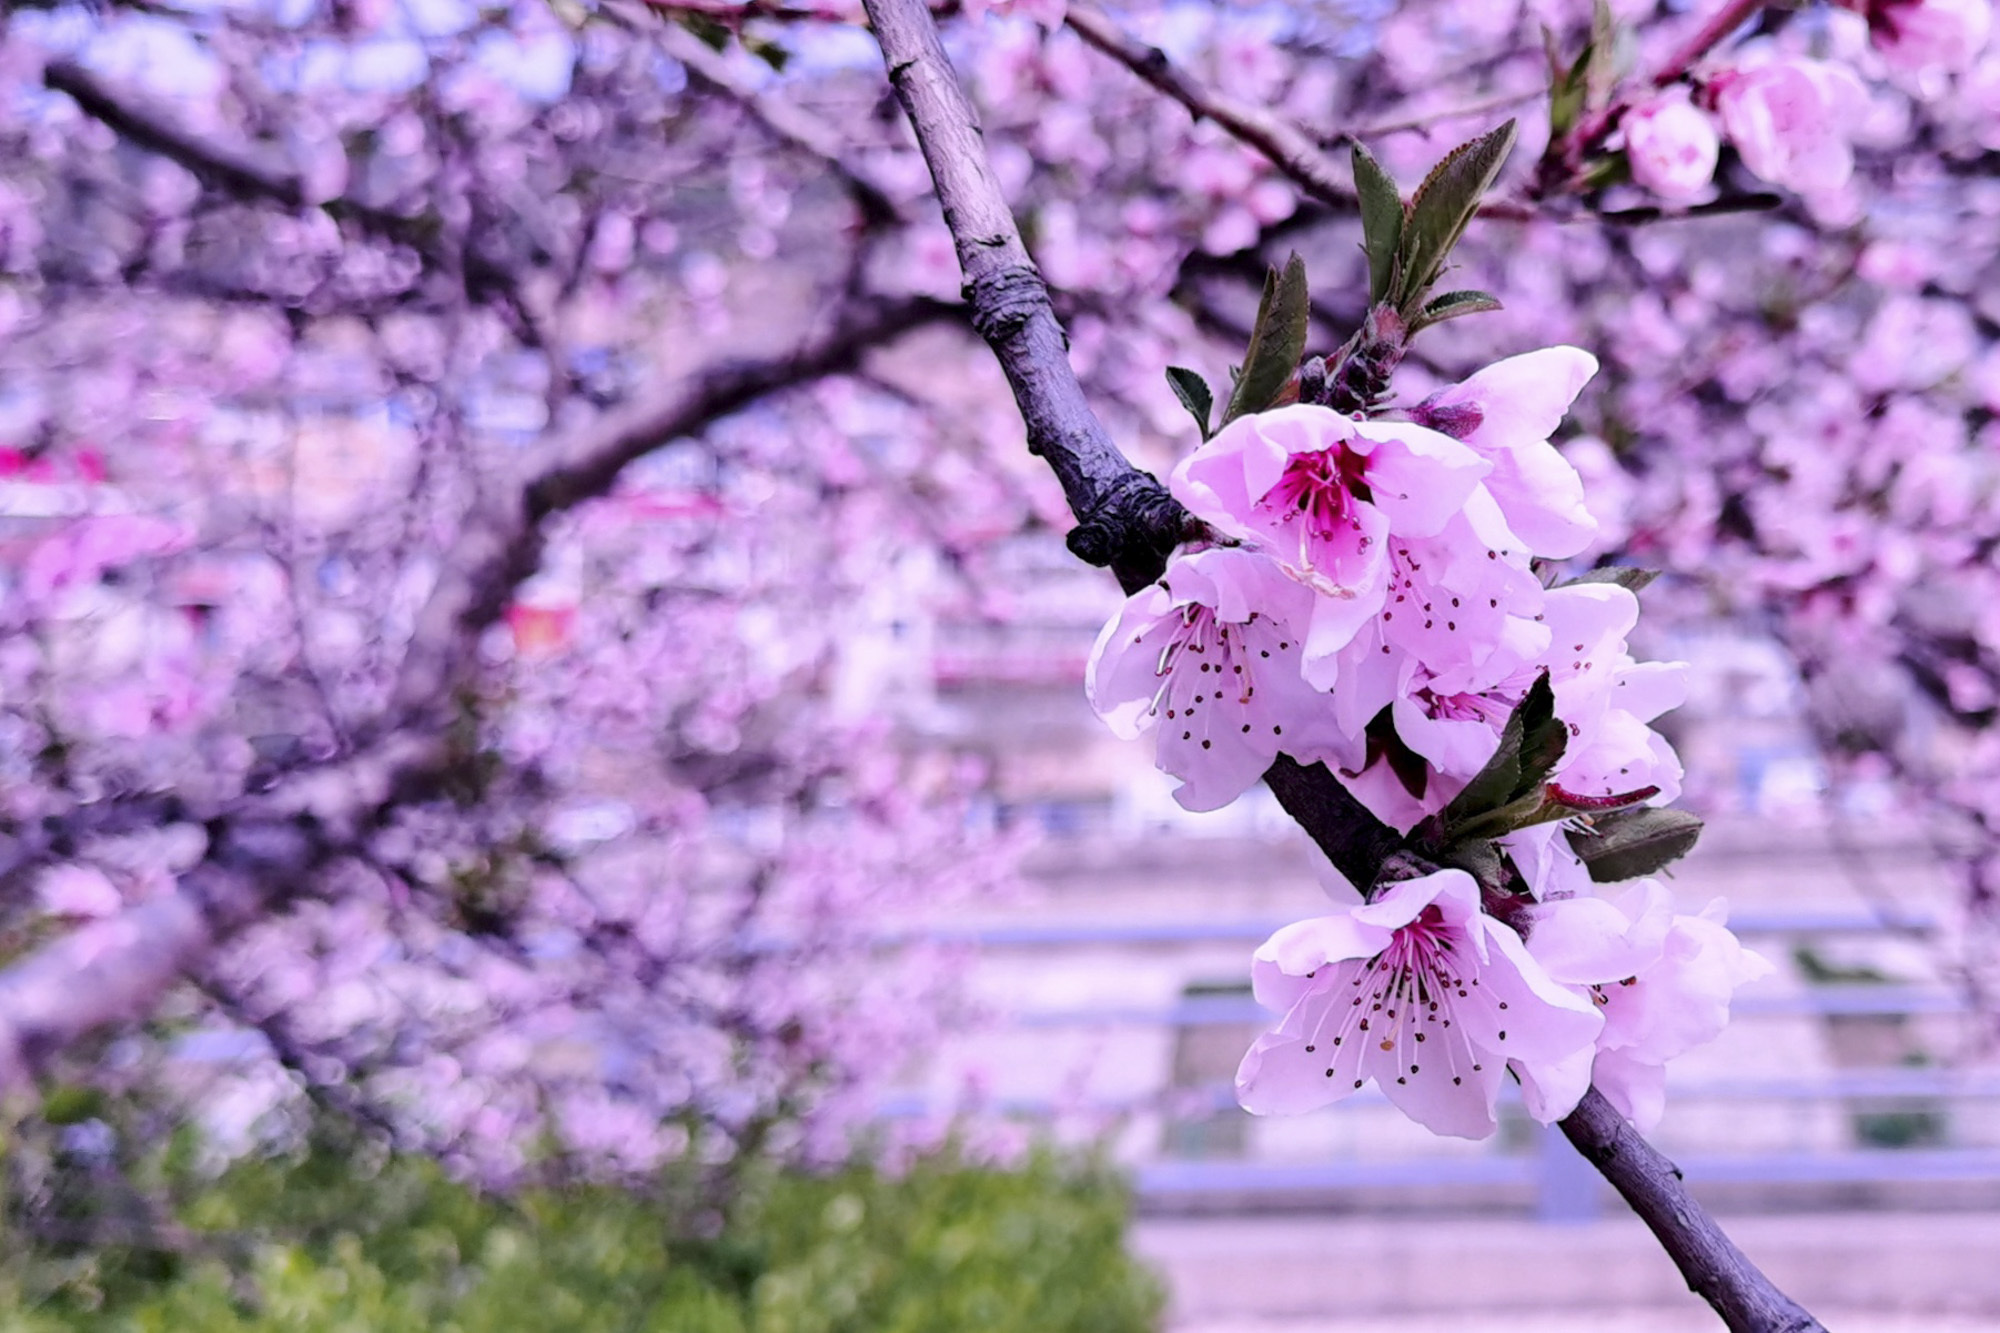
[[335, 1242], [1409, 243], [1617, 837]]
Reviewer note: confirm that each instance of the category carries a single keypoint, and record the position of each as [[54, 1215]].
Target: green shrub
[[340, 1243]]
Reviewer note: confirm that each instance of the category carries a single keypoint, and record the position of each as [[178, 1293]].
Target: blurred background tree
[[480, 486]]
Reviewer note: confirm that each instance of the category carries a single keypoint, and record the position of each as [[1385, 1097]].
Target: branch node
[[1004, 299]]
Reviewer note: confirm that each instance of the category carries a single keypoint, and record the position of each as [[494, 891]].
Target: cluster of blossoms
[[1371, 604], [1792, 118]]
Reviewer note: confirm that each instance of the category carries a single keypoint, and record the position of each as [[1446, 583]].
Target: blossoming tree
[[331, 721]]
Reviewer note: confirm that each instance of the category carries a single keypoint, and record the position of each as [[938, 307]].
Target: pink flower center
[[1205, 659], [1401, 999], [1321, 488]]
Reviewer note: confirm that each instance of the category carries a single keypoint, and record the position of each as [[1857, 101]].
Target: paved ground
[[1601, 1321], [1860, 1273]]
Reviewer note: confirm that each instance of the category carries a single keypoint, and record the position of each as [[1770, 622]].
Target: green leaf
[[1544, 736], [1629, 843], [1630, 577], [1440, 210], [1453, 304], [72, 1104], [1194, 393], [712, 34], [1276, 343], [1531, 744], [1381, 221], [1568, 88]]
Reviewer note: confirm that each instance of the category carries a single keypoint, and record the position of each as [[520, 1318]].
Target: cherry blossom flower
[[1323, 494], [1917, 35], [1605, 698], [1209, 656], [1506, 413], [1423, 992], [1790, 120], [1671, 146], [1663, 980]]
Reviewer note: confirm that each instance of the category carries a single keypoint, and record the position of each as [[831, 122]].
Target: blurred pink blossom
[[1672, 146]]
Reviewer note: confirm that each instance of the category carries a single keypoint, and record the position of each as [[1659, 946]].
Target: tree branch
[[500, 549], [1126, 520], [1047, 390], [1295, 153], [1733, 15], [1715, 1269], [786, 123], [268, 849], [1289, 149], [251, 176]]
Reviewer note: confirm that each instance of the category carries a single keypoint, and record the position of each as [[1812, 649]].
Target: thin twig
[[1726, 20], [1715, 1269], [1290, 149], [1296, 154], [1125, 518]]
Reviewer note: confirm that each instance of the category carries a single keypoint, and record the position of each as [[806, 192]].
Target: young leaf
[[1567, 89], [1630, 577], [1531, 744], [1194, 393], [1442, 207], [1276, 343], [1631, 843], [1381, 221], [1453, 304]]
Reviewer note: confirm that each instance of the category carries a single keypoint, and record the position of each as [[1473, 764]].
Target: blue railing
[[1564, 1186]]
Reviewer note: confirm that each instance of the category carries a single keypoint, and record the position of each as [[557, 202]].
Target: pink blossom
[[1916, 35], [1506, 413], [1671, 146], [1323, 494], [1209, 656], [78, 891], [1423, 992], [1664, 982], [1603, 696], [1790, 119]]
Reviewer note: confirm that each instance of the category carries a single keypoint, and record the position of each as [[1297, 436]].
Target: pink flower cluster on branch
[[1373, 604]]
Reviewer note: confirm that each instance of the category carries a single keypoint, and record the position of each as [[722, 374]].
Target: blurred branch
[[1289, 149], [1295, 153], [220, 166], [502, 547], [786, 123], [252, 176], [1726, 20]]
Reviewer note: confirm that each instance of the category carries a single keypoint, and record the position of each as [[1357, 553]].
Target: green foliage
[[1381, 222], [1195, 395], [1629, 577], [1531, 744], [340, 1243], [1439, 212], [1625, 844], [1276, 342]]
